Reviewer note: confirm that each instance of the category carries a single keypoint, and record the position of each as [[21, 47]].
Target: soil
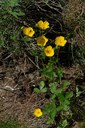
[[17, 99]]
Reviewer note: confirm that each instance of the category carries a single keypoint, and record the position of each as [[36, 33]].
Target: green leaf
[[41, 84], [52, 88], [53, 96], [50, 110], [52, 114], [78, 92], [44, 90], [60, 72], [64, 123], [48, 72], [65, 107], [59, 108], [61, 97], [12, 3], [65, 84], [58, 91], [37, 90], [50, 121], [67, 102], [27, 39], [68, 95], [16, 13]]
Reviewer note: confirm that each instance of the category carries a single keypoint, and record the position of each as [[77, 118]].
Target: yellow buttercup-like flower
[[60, 41], [42, 40], [28, 31], [42, 25], [49, 51], [38, 112]]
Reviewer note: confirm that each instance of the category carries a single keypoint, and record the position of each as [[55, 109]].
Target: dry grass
[[73, 11], [17, 101]]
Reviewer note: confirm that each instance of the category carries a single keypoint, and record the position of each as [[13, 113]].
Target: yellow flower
[[28, 31], [42, 25], [38, 112], [60, 41], [49, 51], [42, 40]]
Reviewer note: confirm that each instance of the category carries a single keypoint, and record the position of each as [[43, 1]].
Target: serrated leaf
[[65, 84], [66, 102], [48, 72], [52, 88], [68, 95], [61, 97], [58, 91], [50, 107]]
